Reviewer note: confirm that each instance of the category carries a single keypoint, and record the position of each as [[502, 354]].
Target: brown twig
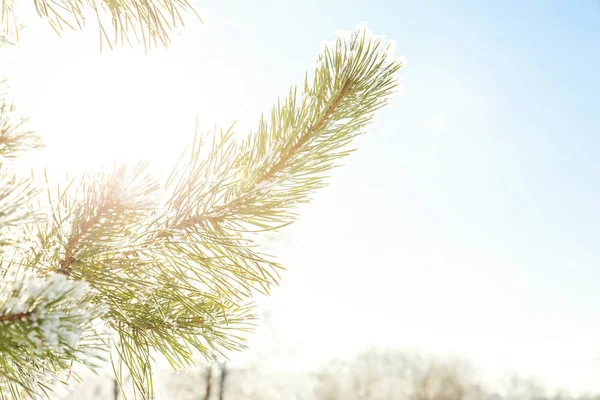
[[14, 317]]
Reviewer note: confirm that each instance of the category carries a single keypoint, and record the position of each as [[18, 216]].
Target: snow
[[128, 199], [265, 187], [58, 316]]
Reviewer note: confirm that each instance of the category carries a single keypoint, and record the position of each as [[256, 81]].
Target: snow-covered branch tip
[[45, 325], [262, 178]]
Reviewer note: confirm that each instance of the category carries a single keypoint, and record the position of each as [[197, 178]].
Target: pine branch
[[149, 22], [45, 326], [258, 182], [271, 172], [305, 137], [204, 236], [158, 297], [180, 278], [14, 139], [65, 263], [105, 213]]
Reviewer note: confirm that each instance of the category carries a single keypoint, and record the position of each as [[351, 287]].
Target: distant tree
[[208, 386], [519, 388], [392, 375], [447, 381], [222, 379], [373, 374]]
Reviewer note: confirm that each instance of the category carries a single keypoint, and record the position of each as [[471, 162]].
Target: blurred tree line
[[374, 374]]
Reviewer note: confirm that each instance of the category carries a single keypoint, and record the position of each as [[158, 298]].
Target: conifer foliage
[[119, 22], [119, 265]]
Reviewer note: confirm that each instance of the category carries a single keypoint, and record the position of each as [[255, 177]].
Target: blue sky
[[467, 221]]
